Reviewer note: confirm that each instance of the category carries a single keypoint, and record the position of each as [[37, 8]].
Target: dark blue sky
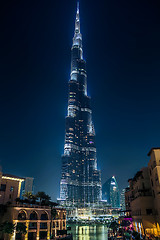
[[121, 41]]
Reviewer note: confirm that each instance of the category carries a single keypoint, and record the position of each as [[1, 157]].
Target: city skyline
[[122, 50]]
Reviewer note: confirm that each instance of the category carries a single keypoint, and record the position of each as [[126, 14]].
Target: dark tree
[[21, 228], [7, 227]]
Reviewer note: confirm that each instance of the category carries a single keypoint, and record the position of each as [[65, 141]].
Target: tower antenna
[[77, 7]]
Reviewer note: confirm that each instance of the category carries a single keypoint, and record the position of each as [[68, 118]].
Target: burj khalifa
[[80, 180]]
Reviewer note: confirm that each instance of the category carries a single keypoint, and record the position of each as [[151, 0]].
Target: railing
[[23, 205]]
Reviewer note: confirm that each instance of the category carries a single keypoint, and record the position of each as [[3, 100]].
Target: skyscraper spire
[[77, 23], [77, 39], [77, 7]]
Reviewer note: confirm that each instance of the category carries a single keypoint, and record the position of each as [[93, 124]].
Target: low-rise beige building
[[154, 172], [10, 188], [141, 203], [38, 221], [42, 222], [143, 197]]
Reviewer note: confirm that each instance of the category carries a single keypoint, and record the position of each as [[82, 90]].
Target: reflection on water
[[89, 232]]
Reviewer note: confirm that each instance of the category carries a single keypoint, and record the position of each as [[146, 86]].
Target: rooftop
[[157, 148], [12, 177]]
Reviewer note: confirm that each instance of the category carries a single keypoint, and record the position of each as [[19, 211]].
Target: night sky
[[121, 42]]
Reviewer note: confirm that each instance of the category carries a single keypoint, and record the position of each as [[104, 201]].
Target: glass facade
[[27, 186], [110, 192], [80, 180], [122, 199]]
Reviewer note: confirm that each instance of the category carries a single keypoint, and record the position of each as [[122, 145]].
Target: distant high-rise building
[[110, 192], [27, 186], [81, 180], [122, 199]]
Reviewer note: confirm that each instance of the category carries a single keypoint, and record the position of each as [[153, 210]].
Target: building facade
[[141, 203], [143, 196], [12, 187], [27, 186], [154, 173], [81, 180], [38, 221], [122, 199], [41, 222], [110, 192]]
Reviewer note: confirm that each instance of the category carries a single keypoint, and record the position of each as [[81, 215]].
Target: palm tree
[[21, 229], [46, 200], [53, 215], [53, 209], [28, 195], [7, 228], [43, 197]]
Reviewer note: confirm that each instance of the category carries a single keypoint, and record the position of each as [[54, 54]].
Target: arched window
[[44, 216], [22, 215], [33, 216]]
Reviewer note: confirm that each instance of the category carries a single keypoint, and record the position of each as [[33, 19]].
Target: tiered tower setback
[[80, 180]]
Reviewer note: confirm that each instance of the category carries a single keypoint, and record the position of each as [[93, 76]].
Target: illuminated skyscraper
[[122, 199], [81, 180], [27, 186], [110, 192]]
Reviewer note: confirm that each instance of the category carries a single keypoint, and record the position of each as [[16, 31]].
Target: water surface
[[89, 232]]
